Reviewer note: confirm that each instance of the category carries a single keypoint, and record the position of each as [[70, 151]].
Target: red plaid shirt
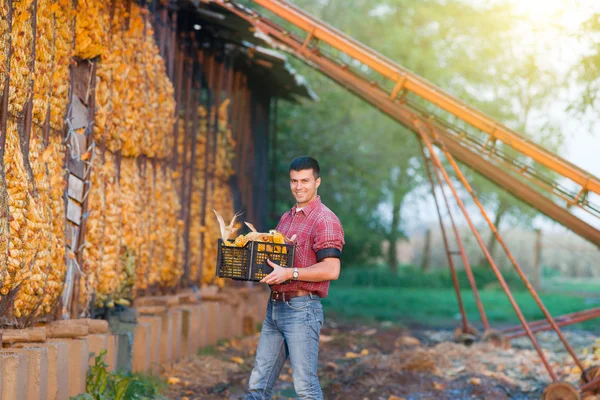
[[316, 228]]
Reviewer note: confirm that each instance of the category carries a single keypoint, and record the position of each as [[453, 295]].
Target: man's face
[[304, 186]]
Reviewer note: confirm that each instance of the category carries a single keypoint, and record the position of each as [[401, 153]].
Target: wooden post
[[537, 259], [426, 251]]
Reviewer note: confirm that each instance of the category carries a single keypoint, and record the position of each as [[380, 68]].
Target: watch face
[[295, 274]]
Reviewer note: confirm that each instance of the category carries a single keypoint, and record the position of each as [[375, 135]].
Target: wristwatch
[[295, 274]]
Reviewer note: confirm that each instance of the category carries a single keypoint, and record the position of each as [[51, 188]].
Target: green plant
[[104, 385]]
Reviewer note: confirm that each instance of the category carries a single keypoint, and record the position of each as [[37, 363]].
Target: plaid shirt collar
[[307, 209]]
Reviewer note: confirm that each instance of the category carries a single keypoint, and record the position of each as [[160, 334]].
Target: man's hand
[[279, 274]]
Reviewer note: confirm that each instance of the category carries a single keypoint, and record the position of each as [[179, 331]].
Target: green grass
[[412, 296], [440, 307]]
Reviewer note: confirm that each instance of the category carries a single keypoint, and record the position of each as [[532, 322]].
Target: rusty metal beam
[[426, 90], [406, 117]]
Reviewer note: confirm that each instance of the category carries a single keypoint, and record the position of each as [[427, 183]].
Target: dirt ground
[[390, 362]]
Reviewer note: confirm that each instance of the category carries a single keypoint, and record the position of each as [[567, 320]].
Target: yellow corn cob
[[91, 28], [111, 266], [44, 62], [64, 37]]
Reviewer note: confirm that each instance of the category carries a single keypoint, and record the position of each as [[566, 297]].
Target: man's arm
[[326, 270]]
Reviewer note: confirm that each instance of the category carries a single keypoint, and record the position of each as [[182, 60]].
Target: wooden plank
[[74, 211], [72, 234], [75, 188], [80, 114], [23, 335], [77, 168]]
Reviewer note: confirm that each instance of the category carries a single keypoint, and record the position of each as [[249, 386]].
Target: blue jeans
[[291, 329]]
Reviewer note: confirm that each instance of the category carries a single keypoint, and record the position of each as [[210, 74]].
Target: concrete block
[[212, 323], [142, 347], [155, 324], [225, 319], [37, 369], [97, 343], [14, 374], [58, 365], [176, 339], [111, 355], [124, 351], [166, 348], [187, 334], [203, 335], [78, 356], [196, 315]]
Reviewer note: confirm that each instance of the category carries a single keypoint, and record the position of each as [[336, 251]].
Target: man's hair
[[305, 162]]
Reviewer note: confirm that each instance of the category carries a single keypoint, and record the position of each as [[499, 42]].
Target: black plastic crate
[[249, 263]]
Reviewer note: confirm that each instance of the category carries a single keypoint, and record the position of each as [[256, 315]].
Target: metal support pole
[[518, 268], [455, 282], [499, 276]]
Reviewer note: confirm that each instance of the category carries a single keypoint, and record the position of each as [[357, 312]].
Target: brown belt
[[285, 296]]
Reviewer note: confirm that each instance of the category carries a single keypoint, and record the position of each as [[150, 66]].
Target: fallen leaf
[[474, 381], [364, 352], [331, 365], [370, 332], [237, 360], [173, 380], [392, 397], [439, 386], [285, 377], [407, 341], [326, 339], [352, 355]]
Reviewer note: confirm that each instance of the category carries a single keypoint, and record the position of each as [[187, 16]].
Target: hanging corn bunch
[[39, 231], [149, 251], [145, 222], [132, 227], [196, 227], [65, 30], [171, 268], [4, 42], [91, 28], [221, 196], [132, 79], [55, 154], [44, 62], [110, 267], [5, 30], [21, 57]]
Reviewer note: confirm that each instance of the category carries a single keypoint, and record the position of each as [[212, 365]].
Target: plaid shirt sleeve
[[329, 237]]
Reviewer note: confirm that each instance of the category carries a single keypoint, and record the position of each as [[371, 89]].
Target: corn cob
[[111, 266], [91, 29], [21, 57], [33, 275], [4, 42], [94, 238], [171, 268], [64, 14], [44, 61], [55, 276]]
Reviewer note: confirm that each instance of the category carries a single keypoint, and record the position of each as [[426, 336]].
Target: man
[[294, 313]]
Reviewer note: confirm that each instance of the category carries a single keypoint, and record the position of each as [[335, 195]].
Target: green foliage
[[104, 385]]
